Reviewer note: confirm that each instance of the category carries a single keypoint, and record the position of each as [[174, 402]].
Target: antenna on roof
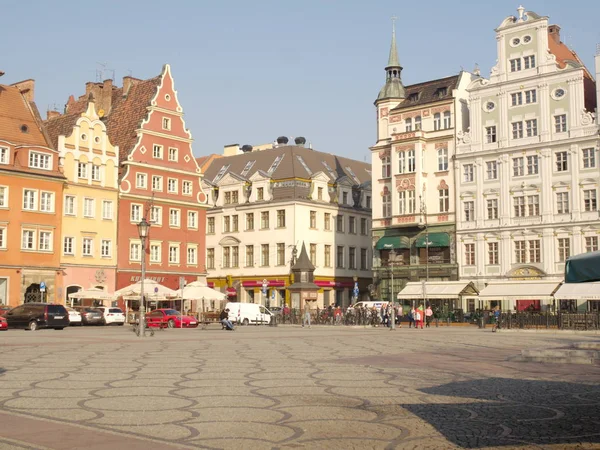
[[100, 68]]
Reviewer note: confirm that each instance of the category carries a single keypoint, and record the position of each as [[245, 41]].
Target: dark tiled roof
[[429, 92], [60, 126]]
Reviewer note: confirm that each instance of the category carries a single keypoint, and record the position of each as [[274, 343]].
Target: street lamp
[[391, 261], [424, 225], [143, 230]]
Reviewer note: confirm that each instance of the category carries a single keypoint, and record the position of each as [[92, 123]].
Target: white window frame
[[96, 176], [590, 200], [3, 236], [386, 168], [519, 206], [447, 120], [186, 187], [48, 240], [412, 202], [156, 212], [173, 154], [4, 158], [135, 251], [141, 180], [563, 203], [533, 205], [4, 196], [90, 241], [560, 123], [401, 162], [533, 165], [157, 183], [82, 170], [442, 154], [172, 184], [157, 151], [444, 197], [106, 248], [33, 235], [401, 203], [73, 211], [491, 168], [437, 122], [174, 254], [411, 162], [561, 161], [590, 243], [49, 208], [107, 205], [529, 62], [193, 214], [517, 130], [72, 241], [468, 173], [155, 252], [515, 64], [492, 208], [518, 166], [192, 250], [38, 160], [490, 134], [166, 123], [588, 158], [516, 99], [564, 250], [92, 201], [135, 213], [493, 253], [531, 127], [27, 206], [174, 213], [469, 210], [470, 256], [530, 96]]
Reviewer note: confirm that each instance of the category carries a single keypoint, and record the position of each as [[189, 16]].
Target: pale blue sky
[[249, 71]]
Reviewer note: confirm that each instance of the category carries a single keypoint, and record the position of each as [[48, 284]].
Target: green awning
[[435, 240], [392, 242]]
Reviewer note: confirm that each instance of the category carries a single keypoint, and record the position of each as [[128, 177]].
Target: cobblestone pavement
[[291, 387]]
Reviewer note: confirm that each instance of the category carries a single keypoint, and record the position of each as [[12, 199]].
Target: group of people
[[416, 316]]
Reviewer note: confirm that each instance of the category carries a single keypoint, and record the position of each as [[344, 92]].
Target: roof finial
[[520, 10], [393, 59]]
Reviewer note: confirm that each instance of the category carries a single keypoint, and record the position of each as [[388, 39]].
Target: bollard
[[482, 321]]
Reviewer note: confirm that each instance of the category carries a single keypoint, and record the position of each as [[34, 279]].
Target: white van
[[369, 305], [247, 313]]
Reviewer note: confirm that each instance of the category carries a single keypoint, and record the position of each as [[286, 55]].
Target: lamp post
[[392, 260], [424, 225], [143, 230]]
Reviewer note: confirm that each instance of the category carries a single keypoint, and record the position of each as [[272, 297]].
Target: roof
[[563, 53], [437, 289], [303, 263], [429, 92], [60, 126], [521, 290], [16, 112], [205, 161]]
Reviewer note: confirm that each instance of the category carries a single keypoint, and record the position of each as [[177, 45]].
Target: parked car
[[247, 313], [74, 316], [38, 315], [4, 309], [3, 324], [91, 316], [112, 315], [171, 317]]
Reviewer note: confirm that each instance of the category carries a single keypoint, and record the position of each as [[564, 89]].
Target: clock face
[[559, 93], [490, 106]]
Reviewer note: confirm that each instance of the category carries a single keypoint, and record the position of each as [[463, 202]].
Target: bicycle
[[136, 329], [496, 325]]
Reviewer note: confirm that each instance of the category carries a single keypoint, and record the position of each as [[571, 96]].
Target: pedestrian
[[411, 317], [338, 315], [399, 316], [418, 318], [306, 318], [225, 322], [428, 316]]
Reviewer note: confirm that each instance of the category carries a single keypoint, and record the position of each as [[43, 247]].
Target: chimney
[[26, 87], [89, 87], [128, 81], [105, 101], [50, 114], [554, 33]]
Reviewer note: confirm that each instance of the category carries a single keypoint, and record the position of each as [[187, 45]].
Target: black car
[[91, 316], [32, 316]]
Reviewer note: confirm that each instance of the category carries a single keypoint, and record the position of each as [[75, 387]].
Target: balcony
[[407, 136]]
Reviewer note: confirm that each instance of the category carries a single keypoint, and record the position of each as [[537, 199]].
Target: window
[[518, 167], [174, 218], [264, 255], [281, 218], [516, 99], [386, 167], [249, 221], [327, 255], [534, 251], [492, 170], [386, 205], [344, 198], [402, 202], [352, 258], [47, 202], [95, 172], [264, 220], [444, 200], [531, 96], [172, 185], [141, 180], [173, 254], [411, 161], [313, 219], [561, 162], [260, 194], [519, 206], [155, 253], [106, 248], [157, 151], [192, 256], [89, 207], [320, 193], [515, 64], [186, 188], [492, 209], [340, 223], [520, 252], [401, 162], [490, 134], [412, 205], [28, 240], [210, 225], [281, 254], [589, 158], [468, 173], [136, 213], [517, 130], [562, 202], [469, 208], [82, 170], [531, 127], [40, 161], [408, 125], [234, 223], [340, 257], [69, 246], [529, 61], [533, 205], [469, 254], [166, 123], [442, 159], [533, 167], [363, 259], [157, 183], [107, 210], [210, 258], [413, 97], [235, 256], [352, 225], [417, 123], [173, 154], [327, 221], [560, 123], [493, 253], [447, 120], [437, 121], [87, 247], [29, 200], [4, 197], [3, 155], [156, 215], [226, 224], [249, 255], [589, 200], [45, 241], [564, 249], [363, 226], [591, 244], [226, 257], [192, 219]]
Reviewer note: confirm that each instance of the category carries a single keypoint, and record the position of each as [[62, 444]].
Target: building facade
[[527, 171], [267, 203], [89, 161], [31, 189], [414, 207]]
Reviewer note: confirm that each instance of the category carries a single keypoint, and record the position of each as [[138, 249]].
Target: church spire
[[393, 59], [393, 89]]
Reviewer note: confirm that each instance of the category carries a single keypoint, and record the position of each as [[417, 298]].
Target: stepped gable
[[15, 112]]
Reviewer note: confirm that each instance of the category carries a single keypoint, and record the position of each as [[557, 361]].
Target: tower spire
[[393, 59], [393, 89]]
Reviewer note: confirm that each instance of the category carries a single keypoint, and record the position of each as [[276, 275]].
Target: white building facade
[[527, 171]]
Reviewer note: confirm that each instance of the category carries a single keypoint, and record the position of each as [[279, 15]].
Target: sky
[[247, 72]]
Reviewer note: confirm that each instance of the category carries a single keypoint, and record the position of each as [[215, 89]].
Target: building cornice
[[163, 169], [156, 200], [164, 135]]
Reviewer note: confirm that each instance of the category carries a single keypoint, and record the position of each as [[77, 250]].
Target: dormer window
[[40, 161], [413, 97], [3, 155], [441, 92], [247, 168], [221, 173]]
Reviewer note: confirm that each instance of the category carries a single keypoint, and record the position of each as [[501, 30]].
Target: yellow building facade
[[89, 224]]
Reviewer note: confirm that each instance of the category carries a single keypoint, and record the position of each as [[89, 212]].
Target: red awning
[[210, 284], [231, 292], [337, 284], [259, 283]]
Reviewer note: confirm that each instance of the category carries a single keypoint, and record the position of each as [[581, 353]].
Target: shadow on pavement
[[514, 412]]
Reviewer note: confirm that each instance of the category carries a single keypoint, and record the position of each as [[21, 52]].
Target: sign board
[[42, 286]]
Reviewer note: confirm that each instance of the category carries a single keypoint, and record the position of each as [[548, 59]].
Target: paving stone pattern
[[288, 387]]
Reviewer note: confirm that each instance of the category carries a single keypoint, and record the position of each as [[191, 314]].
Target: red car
[[3, 323], [171, 317], [4, 309]]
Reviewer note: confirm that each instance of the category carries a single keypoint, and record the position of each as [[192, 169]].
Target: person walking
[[338, 315], [411, 317], [418, 318], [306, 317], [428, 316]]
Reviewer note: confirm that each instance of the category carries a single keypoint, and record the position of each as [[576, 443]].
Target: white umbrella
[[196, 290], [152, 289], [92, 293]]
